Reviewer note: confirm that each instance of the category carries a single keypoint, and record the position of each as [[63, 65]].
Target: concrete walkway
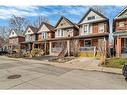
[[82, 63]]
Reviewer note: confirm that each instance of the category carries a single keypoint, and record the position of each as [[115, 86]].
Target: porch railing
[[92, 48], [57, 49]]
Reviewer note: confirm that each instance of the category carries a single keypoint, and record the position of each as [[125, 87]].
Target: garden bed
[[61, 60], [115, 62]]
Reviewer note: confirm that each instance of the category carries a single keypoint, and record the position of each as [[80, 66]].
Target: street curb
[[101, 69]]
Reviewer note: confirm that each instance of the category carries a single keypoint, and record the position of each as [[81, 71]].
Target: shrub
[[115, 62]]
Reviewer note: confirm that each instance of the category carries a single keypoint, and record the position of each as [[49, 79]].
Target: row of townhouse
[[92, 32]]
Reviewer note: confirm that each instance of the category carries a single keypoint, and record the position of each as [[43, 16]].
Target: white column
[[68, 47], [50, 47]]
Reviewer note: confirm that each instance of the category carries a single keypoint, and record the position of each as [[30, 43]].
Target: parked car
[[124, 71], [3, 52]]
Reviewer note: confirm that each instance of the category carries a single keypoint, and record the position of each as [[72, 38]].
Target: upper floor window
[[28, 31], [85, 28], [91, 18], [13, 33], [43, 35], [59, 33], [122, 24], [101, 27]]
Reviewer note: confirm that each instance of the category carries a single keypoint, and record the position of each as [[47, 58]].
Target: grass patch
[[115, 62]]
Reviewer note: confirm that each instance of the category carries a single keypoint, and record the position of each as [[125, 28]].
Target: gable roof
[[34, 29], [91, 9], [49, 26], [120, 13], [62, 17], [18, 32]]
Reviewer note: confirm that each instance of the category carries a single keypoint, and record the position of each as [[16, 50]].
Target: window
[[91, 18], [61, 24], [85, 28], [125, 43], [13, 33], [61, 32], [87, 43], [101, 27], [28, 31], [43, 35], [121, 24], [58, 31]]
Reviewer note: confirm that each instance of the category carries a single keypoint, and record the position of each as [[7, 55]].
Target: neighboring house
[[1, 41], [45, 32], [30, 38], [64, 31], [15, 39], [93, 32], [120, 33]]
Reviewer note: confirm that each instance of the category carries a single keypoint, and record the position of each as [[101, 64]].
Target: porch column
[[105, 46], [118, 47], [45, 47], [50, 47], [68, 47]]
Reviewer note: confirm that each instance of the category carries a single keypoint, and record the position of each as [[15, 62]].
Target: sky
[[53, 13]]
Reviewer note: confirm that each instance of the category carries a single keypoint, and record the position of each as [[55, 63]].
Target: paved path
[[44, 76]]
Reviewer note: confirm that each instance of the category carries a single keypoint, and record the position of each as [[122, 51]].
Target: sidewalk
[[82, 63]]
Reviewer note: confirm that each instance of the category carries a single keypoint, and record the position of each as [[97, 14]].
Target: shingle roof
[[91, 9], [18, 32], [62, 17], [121, 12], [34, 29], [49, 26]]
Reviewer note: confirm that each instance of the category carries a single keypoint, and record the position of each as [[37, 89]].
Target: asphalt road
[[40, 76]]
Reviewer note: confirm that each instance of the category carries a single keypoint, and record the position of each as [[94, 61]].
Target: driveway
[[42, 76]]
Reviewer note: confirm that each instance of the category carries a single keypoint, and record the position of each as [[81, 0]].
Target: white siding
[[43, 28], [13, 34], [29, 31], [97, 17]]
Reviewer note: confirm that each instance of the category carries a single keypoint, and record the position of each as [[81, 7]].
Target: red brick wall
[[95, 28], [116, 25], [81, 43], [94, 42]]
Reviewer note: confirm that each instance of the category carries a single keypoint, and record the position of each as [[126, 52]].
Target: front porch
[[121, 46], [93, 47]]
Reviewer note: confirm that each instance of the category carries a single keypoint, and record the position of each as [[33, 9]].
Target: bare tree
[[17, 22], [100, 9], [39, 20], [4, 31]]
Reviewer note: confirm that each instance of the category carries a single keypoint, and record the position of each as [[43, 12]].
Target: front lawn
[[115, 62]]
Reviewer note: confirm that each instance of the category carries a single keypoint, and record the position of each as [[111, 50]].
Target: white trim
[[121, 12]]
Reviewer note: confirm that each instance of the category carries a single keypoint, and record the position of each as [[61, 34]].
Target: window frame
[[87, 40]]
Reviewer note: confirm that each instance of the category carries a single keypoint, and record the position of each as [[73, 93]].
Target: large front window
[[87, 43]]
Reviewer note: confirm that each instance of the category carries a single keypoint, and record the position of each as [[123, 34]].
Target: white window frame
[[101, 27], [121, 24], [43, 35], [87, 40]]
